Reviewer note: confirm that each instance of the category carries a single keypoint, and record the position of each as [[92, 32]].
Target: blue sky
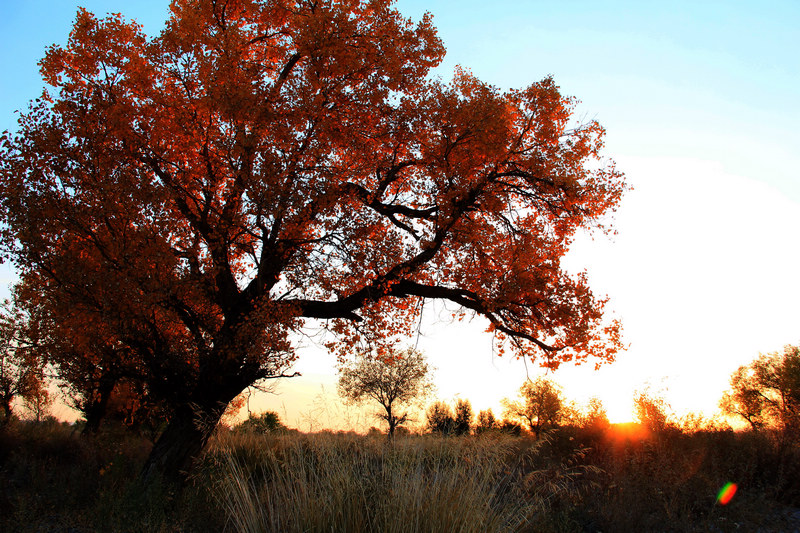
[[699, 100], [686, 79]]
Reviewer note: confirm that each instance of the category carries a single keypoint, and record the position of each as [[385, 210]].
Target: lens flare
[[726, 494]]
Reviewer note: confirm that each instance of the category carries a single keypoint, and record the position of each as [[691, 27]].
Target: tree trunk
[[181, 442], [391, 420], [96, 407], [6, 411]]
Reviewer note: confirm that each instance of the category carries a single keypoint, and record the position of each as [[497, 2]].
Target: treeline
[[540, 407], [764, 393]]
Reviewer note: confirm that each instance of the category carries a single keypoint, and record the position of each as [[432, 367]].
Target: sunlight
[[628, 432], [618, 408], [577, 221]]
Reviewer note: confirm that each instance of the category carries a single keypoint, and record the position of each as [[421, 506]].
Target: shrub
[[266, 422]]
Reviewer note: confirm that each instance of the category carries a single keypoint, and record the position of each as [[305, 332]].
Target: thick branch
[[226, 283], [372, 200], [346, 307]]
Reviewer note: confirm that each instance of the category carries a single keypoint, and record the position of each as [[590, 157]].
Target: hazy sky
[[700, 103]]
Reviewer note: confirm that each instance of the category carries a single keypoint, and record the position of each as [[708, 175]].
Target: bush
[[266, 422]]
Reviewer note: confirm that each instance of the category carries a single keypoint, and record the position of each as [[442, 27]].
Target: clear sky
[[700, 101]]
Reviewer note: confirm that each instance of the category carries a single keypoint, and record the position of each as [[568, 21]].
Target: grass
[[51, 479], [350, 483]]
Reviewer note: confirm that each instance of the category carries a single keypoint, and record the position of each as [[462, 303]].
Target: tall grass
[[352, 483], [51, 479]]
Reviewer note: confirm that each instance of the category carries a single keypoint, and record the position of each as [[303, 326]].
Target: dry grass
[[351, 483], [52, 479], [573, 480]]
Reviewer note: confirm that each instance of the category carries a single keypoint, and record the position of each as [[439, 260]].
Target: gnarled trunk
[[185, 436]]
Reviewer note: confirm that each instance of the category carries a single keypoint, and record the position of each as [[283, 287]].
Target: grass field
[[571, 480]]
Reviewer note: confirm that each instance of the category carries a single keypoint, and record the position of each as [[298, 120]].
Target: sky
[[699, 100]]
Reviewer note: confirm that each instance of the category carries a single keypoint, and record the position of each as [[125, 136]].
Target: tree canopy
[[184, 203]]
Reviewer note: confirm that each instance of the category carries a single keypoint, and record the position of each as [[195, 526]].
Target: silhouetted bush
[[266, 422]]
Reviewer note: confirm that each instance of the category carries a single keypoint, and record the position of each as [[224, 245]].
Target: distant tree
[[440, 418], [767, 391], [38, 405], [462, 422], [397, 380], [266, 422], [652, 411], [540, 405], [21, 366], [570, 414], [594, 416], [486, 421]]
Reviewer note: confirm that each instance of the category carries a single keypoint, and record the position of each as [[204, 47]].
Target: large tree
[[196, 197]]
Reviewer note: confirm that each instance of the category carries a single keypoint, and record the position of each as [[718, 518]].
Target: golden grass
[[351, 483]]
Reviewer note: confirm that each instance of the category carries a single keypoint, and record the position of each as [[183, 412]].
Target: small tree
[[440, 418], [540, 406], [486, 422], [21, 368], [462, 423], [767, 391], [652, 411], [400, 379], [595, 416]]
